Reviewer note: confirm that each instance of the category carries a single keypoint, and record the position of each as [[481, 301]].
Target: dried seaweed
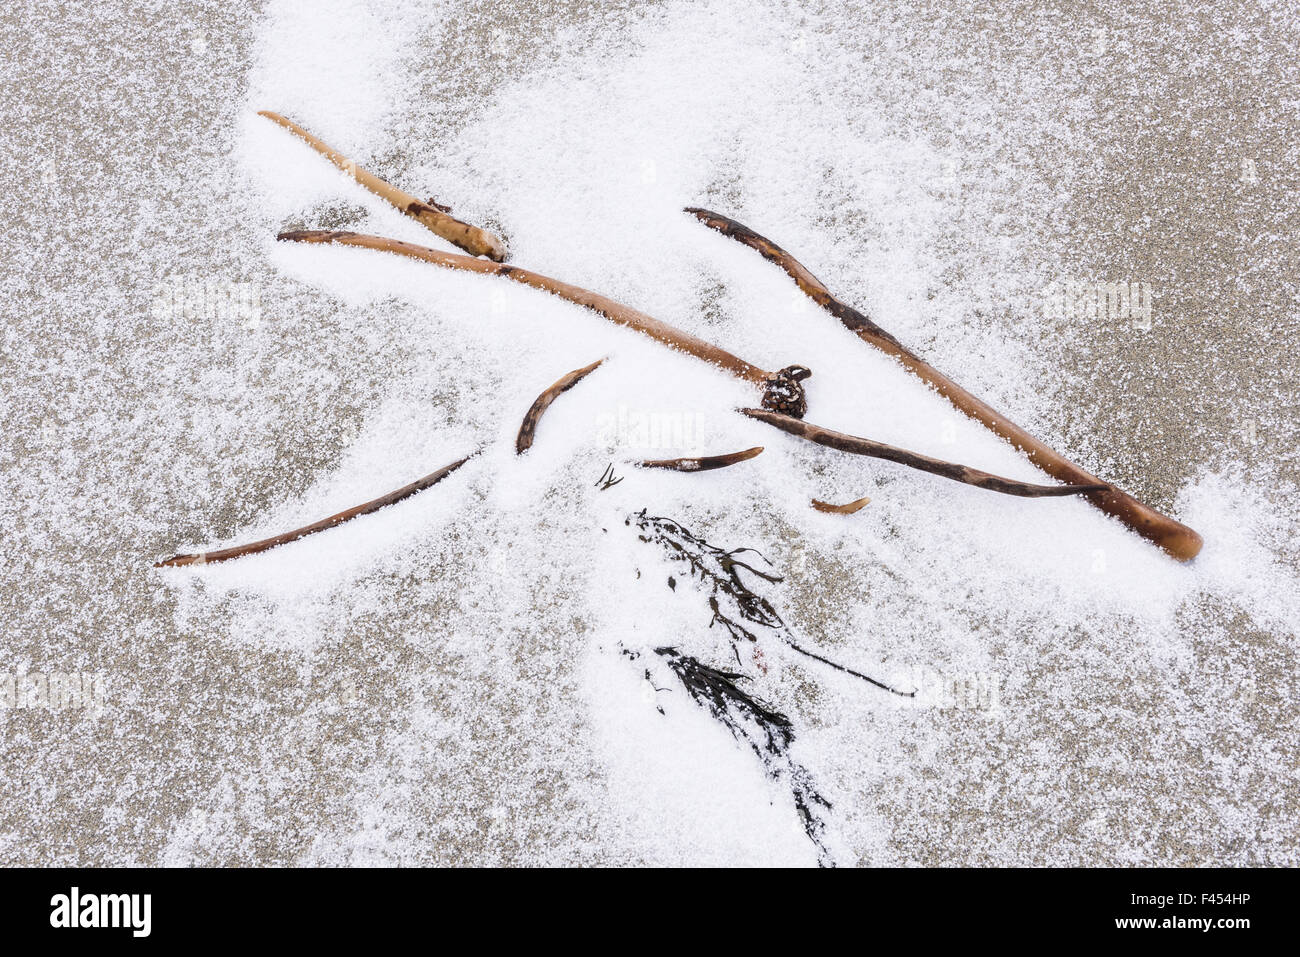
[[735, 606], [743, 614], [768, 732]]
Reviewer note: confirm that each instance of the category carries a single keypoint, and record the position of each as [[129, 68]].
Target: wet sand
[[1186, 180]]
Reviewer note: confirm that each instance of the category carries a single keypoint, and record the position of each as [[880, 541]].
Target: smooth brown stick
[[524, 440], [614, 311], [475, 241], [949, 470], [1174, 537], [703, 463], [238, 551], [847, 509]]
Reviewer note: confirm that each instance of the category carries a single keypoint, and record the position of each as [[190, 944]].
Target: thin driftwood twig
[[702, 463], [949, 470], [374, 505]]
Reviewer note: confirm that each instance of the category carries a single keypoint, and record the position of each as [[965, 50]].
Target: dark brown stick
[[1174, 537], [432, 216], [524, 441], [704, 463], [238, 551], [948, 470], [847, 509]]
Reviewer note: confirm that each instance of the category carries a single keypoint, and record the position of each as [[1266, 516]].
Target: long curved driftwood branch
[[524, 441], [435, 218], [702, 463], [1174, 537], [611, 310], [949, 470], [374, 505]]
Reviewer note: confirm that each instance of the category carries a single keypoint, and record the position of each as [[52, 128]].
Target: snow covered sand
[[445, 681]]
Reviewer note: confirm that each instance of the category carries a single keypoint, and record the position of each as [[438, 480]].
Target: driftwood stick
[[948, 470], [238, 551], [703, 463], [614, 311], [524, 441], [846, 509], [433, 216], [1174, 537]]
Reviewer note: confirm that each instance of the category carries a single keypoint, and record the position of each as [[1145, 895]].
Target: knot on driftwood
[[783, 392]]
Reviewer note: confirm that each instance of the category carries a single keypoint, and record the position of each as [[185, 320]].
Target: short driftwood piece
[[846, 509], [527, 430], [433, 216], [702, 463]]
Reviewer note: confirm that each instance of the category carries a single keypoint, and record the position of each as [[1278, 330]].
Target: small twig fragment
[[374, 505], [524, 441], [703, 463], [847, 509], [949, 470], [607, 478], [432, 215]]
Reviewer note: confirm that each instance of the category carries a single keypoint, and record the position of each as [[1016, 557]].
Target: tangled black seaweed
[[742, 613], [768, 732], [720, 570]]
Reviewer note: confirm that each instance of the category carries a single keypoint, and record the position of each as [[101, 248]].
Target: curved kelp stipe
[[265, 544], [857, 445], [782, 390], [528, 428]]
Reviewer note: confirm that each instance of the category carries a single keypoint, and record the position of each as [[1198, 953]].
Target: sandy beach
[[447, 687]]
